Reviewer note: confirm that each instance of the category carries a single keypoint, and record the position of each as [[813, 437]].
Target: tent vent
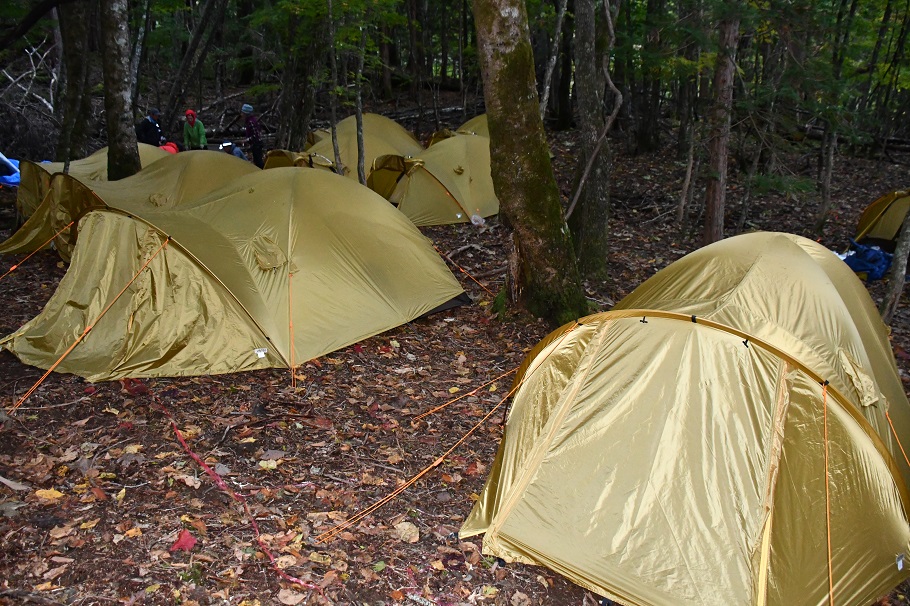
[[268, 255], [159, 199]]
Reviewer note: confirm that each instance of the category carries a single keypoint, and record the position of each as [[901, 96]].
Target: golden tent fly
[[709, 438], [167, 183], [381, 136], [275, 268], [880, 223], [36, 177], [449, 182]]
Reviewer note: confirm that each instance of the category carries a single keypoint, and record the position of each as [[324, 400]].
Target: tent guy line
[[329, 534], [29, 255], [88, 328]]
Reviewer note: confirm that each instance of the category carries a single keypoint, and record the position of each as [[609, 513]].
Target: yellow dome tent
[[881, 221], [275, 268], [381, 136], [282, 158], [167, 183], [449, 182], [35, 177], [705, 441]]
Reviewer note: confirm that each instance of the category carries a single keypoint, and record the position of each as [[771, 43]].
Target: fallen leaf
[[53, 573], [290, 597], [520, 599], [90, 524], [58, 532], [49, 494], [268, 464], [14, 485], [407, 532], [185, 541], [133, 532], [320, 558]]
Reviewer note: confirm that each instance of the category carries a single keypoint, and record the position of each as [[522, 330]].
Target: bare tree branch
[[27, 23]]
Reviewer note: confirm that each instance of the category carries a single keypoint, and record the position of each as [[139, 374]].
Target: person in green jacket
[[193, 132]]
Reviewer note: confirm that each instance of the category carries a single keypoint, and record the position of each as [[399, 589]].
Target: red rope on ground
[[29, 256], [237, 497], [87, 329]]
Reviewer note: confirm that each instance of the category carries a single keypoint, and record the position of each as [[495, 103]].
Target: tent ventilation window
[[268, 255]]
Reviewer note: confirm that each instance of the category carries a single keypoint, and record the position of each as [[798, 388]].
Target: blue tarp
[[870, 260], [9, 172]]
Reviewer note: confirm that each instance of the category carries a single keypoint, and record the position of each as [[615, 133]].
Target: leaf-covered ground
[[100, 502]]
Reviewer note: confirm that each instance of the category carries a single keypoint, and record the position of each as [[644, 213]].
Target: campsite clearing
[[107, 491]]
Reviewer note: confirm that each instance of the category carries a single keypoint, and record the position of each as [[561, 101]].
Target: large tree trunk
[[589, 223], [74, 29], [547, 278], [719, 138], [123, 152]]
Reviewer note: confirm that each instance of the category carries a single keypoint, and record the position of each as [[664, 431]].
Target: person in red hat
[[194, 132]]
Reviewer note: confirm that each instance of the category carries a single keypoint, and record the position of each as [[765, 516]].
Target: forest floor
[[103, 505]]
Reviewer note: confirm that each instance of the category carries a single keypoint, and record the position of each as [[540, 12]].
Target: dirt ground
[[107, 507]]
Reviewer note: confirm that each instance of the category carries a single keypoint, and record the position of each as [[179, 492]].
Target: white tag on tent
[[261, 351], [900, 561]]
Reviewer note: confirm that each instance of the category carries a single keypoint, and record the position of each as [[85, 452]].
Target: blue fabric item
[[9, 172], [246, 108], [871, 260]]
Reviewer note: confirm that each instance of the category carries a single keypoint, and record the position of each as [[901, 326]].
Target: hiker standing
[[194, 132], [253, 134], [148, 130]]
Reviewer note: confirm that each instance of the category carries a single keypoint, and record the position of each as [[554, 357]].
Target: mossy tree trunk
[[123, 153], [547, 276]]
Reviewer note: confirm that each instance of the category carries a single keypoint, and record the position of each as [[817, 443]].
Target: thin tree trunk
[[123, 152], [547, 278], [719, 139], [898, 273], [687, 184], [333, 97], [358, 104], [554, 55], [212, 14], [139, 49]]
